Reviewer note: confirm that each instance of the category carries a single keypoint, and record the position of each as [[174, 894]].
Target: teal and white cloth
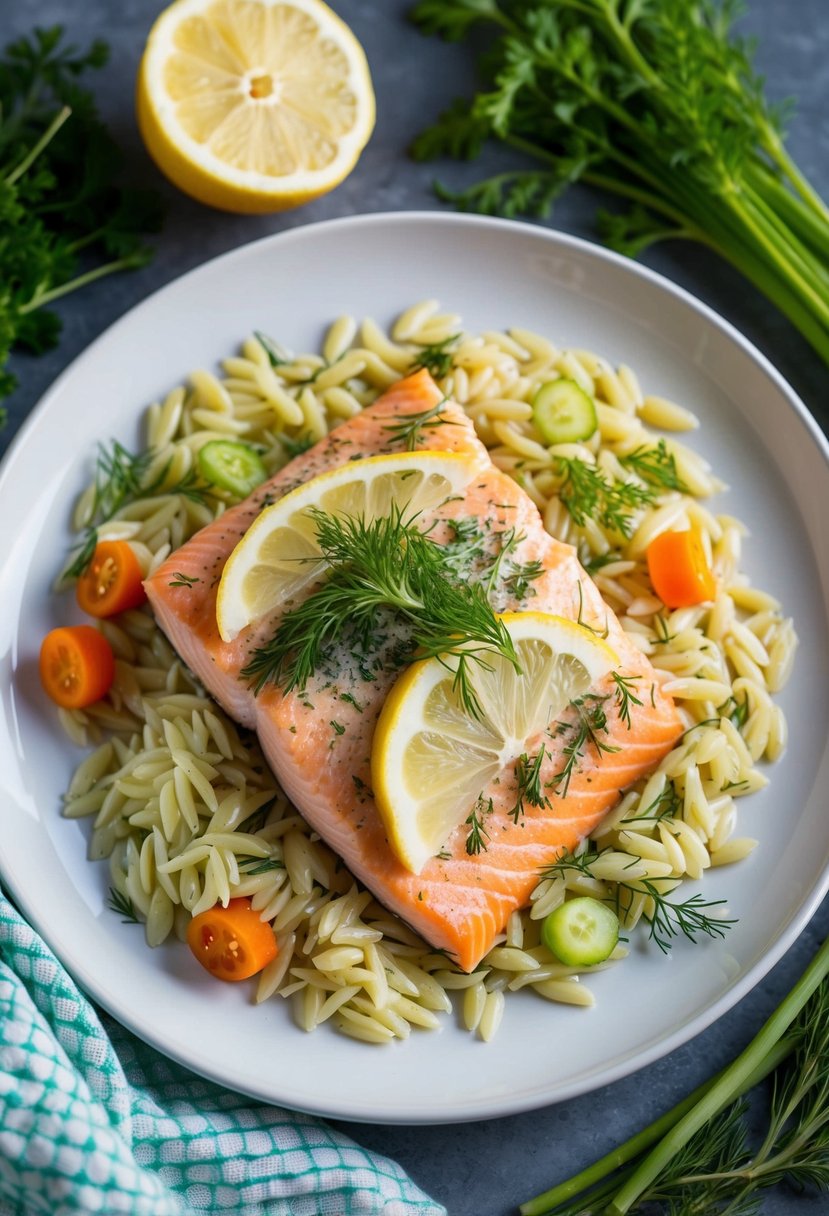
[[93, 1120]]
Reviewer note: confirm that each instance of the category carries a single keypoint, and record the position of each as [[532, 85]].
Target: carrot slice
[[113, 580], [679, 569], [77, 665], [231, 943]]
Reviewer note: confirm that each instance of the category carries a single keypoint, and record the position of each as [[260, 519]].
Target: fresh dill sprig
[[183, 580], [669, 919], [409, 428], [436, 357], [277, 355], [587, 494], [689, 917], [257, 819], [588, 728], [736, 710], [383, 563], [509, 539], [580, 619], [521, 576], [656, 466], [478, 835], [663, 633], [123, 905], [190, 487], [120, 479], [86, 551], [517, 576], [250, 866], [594, 564], [624, 695], [664, 806], [296, 447], [528, 783]]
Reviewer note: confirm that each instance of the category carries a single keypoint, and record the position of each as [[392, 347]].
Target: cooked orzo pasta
[[183, 804]]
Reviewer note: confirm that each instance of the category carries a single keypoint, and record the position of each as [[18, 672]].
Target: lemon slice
[[430, 760], [254, 105], [279, 554]]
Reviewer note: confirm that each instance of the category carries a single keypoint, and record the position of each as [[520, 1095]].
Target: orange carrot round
[[231, 943], [77, 665], [113, 580], [679, 569]]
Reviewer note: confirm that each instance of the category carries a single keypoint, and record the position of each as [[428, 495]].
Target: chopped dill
[[590, 725], [409, 428], [478, 835], [528, 782], [251, 866], [123, 905], [183, 580], [510, 538], [86, 551], [295, 447], [337, 727], [665, 805], [466, 544], [663, 634], [594, 564], [736, 710], [277, 355], [258, 818], [624, 695], [600, 633]]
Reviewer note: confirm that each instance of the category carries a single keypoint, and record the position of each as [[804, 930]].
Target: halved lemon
[[279, 554], [254, 105], [430, 760]]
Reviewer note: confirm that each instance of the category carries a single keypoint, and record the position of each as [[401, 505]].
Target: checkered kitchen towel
[[92, 1120]]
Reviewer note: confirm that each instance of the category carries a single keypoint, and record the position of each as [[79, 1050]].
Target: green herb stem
[[731, 1082], [777, 151], [812, 230], [82, 280], [45, 139], [625, 1153]]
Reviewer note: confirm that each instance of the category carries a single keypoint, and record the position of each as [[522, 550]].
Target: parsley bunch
[[655, 101], [63, 220]]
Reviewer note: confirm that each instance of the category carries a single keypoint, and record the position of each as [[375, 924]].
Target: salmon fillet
[[318, 741]]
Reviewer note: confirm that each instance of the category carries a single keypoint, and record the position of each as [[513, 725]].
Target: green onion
[[631, 1174]]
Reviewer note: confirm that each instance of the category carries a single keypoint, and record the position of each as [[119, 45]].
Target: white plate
[[757, 435]]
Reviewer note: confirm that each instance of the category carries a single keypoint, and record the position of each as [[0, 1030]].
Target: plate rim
[[687, 1030]]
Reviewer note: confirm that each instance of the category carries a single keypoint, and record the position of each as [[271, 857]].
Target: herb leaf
[[68, 220], [587, 494], [124, 906], [478, 835], [655, 102], [409, 428], [384, 563]]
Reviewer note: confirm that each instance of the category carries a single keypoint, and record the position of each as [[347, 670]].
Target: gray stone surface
[[481, 1169]]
